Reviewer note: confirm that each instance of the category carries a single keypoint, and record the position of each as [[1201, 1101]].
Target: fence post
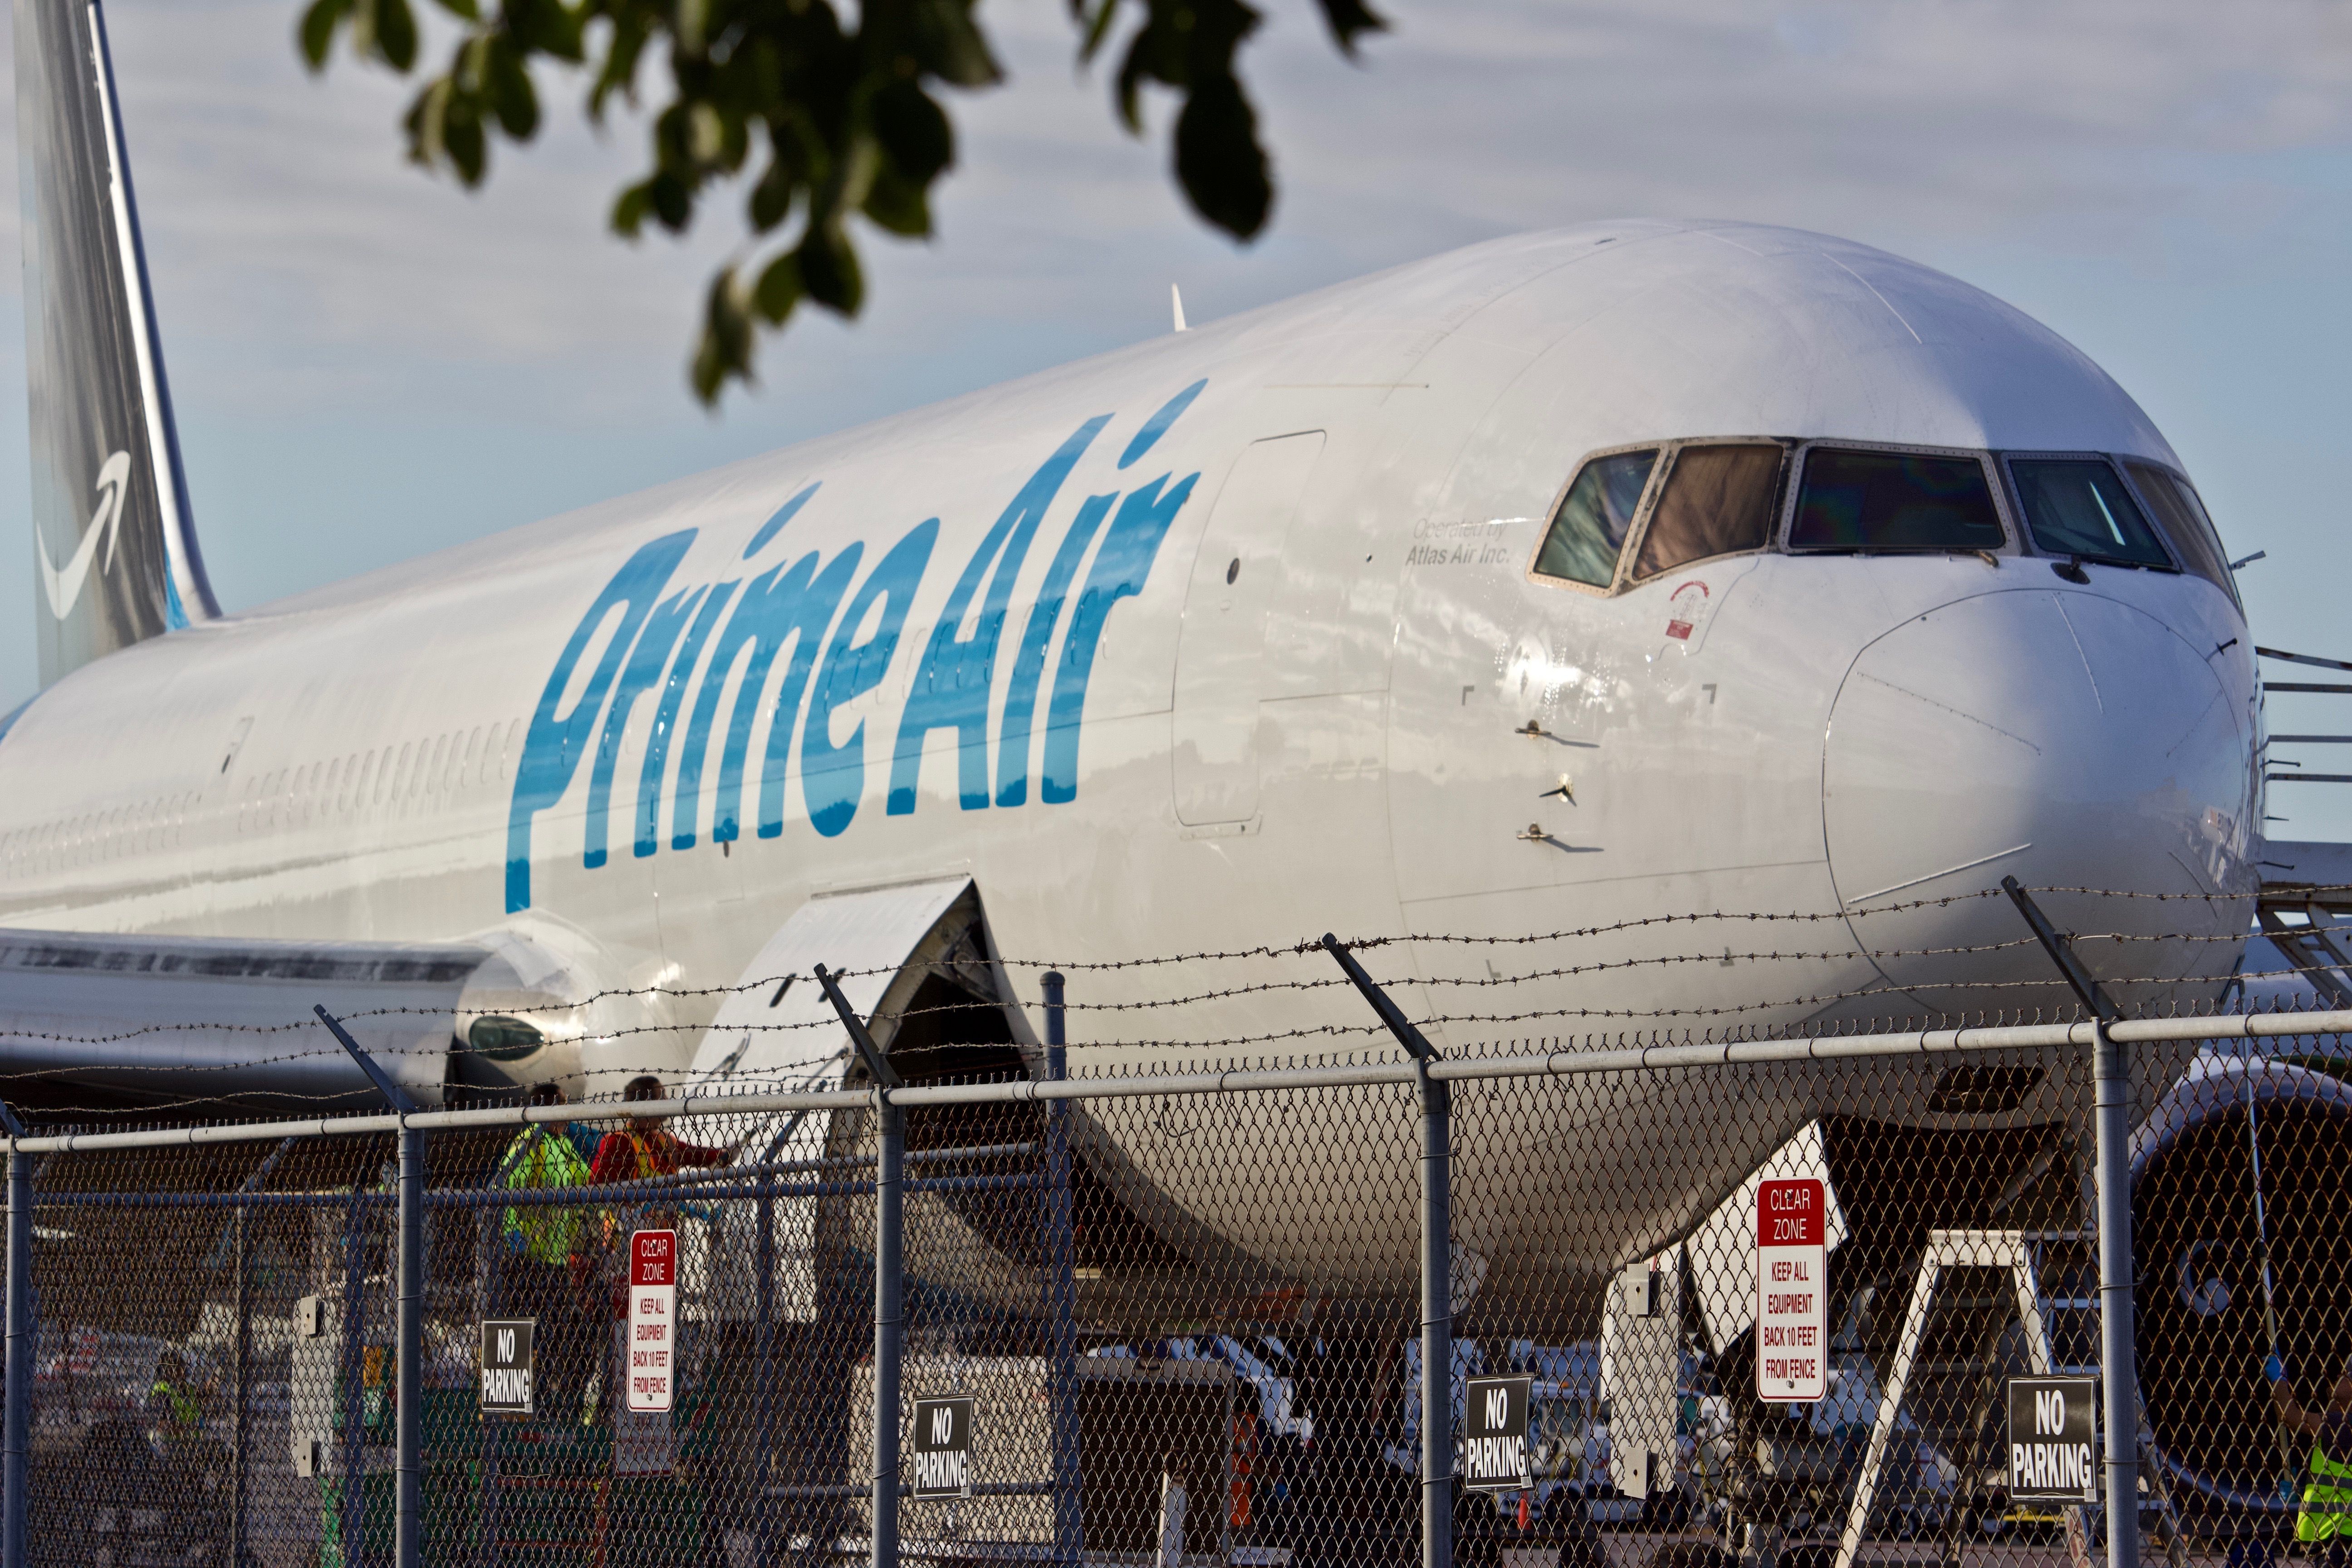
[[2118, 1368], [1437, 1319], [354, 1500], [408, 1323], [17, 1502], [1062, 1293], [2117, 1363], [408, 1357], [889, 1171], [889, 1177], [489, 1296], [764, 1353], [240, 1423], [1436, 1267]]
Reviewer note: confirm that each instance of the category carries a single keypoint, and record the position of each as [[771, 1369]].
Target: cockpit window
[[2078, 506], [1589, 531], [2185, 522], [1718, 500], [1894, 500]]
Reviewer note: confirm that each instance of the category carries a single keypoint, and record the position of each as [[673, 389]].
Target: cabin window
[[2184, 520], [1589, 531], [1863, 502], [1718, 500], [2078, 506]]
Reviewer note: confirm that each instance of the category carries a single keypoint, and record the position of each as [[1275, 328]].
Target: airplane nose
[[2065, 739]]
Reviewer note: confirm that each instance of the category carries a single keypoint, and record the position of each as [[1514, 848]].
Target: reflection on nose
[[2061, 738]]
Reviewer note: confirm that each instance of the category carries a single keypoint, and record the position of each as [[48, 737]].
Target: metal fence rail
[[1232, 1316]]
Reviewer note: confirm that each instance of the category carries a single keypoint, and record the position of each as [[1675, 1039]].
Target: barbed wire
[[600, 1109], [1324, 1030], [461, 1048], [306, 1025]]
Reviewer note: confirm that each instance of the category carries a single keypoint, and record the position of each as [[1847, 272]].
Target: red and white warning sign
[[1686, 609], [649, 1337], [1791, 1290]]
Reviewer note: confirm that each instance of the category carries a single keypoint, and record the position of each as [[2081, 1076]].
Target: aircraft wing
[[159, 1020]]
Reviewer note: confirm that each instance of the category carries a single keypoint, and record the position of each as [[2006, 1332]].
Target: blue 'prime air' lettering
[[797, 642]]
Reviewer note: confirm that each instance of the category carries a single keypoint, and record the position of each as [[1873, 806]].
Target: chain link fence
[[1654, 1303]]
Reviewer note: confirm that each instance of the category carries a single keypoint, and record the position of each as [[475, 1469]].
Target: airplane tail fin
[[116, 558]]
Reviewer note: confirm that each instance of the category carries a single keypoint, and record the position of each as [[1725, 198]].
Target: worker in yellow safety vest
[[2323, 1522], [550, 1260], [543, 1156], [173, 1399]]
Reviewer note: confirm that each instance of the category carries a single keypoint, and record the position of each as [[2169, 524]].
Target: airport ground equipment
[[2012, 1252], [1113, 1350]]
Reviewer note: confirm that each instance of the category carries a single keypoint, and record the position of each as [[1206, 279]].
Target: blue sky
[[370, 364]]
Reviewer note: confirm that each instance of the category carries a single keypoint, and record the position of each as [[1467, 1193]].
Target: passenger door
[[1221, 648]]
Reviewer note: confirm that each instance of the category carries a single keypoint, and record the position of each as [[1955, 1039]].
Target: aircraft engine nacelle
[[2199, 1227]]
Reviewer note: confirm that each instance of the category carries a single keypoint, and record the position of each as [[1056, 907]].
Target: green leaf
[[913, 132], [445, 127], [725, 350], [317, 32], [625, 45], [772, 197], [394, 28], [706, 133], [691, 29], [630, 207], [1350, 20], [427, 115], [673, 201], [542, 27], [465, 9], [898, 204], [829, 270], [508, 86], [1098, 26], [463, 142], [1218, 158], [779, 289], [946, 39]]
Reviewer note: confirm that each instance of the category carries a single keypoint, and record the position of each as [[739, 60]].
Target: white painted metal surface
[[972, 641], [774, 1029]]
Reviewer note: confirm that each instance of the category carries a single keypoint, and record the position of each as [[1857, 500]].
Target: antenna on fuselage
[[1176, 298]]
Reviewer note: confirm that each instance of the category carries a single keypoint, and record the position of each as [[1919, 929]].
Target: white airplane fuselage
[[1284, 683]]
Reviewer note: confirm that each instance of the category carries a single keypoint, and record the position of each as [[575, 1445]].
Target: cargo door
[[1220, 650], [777, 1032]]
